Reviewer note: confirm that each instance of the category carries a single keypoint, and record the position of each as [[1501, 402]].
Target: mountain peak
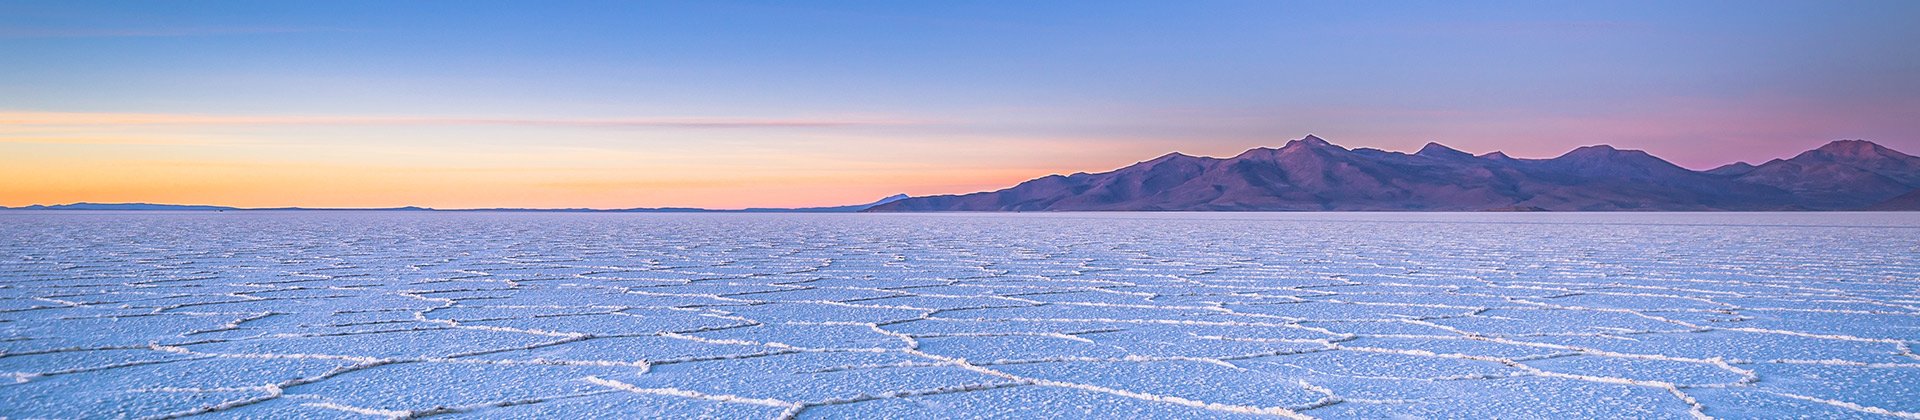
[[1857, 149], [1601, 151], [1307, 144], [1170, 156], [1310, 141], [1732, 169], [1437, 150]]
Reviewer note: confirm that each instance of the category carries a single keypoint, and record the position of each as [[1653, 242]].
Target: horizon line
[[893, 197]]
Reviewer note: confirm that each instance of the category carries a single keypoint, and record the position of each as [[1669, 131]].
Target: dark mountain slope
[[1905, 202], [1844, 174]]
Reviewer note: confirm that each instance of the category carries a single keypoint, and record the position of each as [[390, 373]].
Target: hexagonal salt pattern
[[1110, 315]]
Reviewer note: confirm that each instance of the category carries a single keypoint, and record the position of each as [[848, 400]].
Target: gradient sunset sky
[[730, 104]]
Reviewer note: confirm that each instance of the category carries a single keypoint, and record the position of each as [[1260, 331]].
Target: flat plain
[[1107, 315]]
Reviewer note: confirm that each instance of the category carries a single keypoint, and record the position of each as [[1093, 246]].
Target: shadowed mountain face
[[1312, 175], [1845, 174], [1905, 202]]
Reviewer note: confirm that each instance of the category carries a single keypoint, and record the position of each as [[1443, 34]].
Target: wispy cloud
[[1533, 27], [98, 141], [48, 119], [46, 32], [1542, 28]]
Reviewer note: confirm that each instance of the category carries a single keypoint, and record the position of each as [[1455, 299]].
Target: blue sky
[[721, 103]]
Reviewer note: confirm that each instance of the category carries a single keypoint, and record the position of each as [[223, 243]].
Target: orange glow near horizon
[[351, 186], [337, 185], [70, 157]]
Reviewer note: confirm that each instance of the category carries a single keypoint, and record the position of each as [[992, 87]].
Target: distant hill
[[176, 207], [125, 206], [1311, 174], [835, 209]]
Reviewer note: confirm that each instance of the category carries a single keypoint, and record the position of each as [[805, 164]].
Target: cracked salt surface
[[309, 314]]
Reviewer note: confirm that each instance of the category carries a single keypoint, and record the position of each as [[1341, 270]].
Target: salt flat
[[1112, 315]]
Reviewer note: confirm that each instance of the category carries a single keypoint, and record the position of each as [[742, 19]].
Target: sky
[[730, 104]]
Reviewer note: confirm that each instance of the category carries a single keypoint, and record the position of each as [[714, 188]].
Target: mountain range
[[1311, 174]]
